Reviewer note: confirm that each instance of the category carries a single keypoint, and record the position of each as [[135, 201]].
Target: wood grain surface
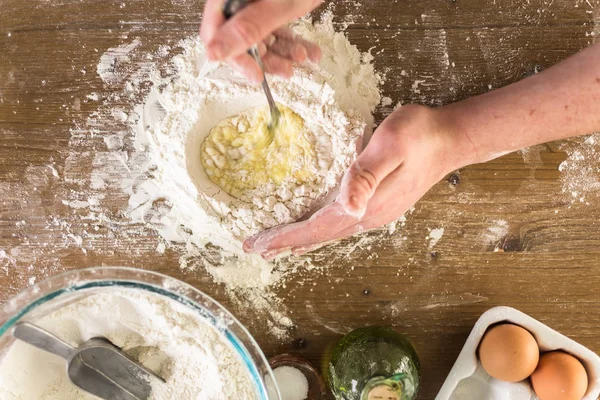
[[512, 235]]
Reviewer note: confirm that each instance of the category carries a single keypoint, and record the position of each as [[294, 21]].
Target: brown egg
[[559, 376], [509, 353]]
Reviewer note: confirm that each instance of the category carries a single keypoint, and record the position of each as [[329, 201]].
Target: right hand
[[262, 22], [409, 152]]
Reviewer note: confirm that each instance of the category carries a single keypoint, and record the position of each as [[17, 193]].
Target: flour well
[[245, 157], [175, 134], [195, 359]]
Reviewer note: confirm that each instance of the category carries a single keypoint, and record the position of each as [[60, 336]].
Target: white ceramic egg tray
[[469, 381]]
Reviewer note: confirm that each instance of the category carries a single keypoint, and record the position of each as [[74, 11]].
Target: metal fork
[[230, 8]]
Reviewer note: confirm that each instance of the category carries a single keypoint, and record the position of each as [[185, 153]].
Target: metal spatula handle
[[231, 7], [43, 340], [96, 366]]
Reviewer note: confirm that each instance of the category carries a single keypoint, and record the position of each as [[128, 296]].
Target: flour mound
[[205, 93], [335, 100]]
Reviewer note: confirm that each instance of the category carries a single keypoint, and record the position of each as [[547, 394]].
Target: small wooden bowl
[[316, 386]]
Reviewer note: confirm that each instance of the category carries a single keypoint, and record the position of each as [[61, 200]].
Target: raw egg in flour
[[509, 353], [559, 376]]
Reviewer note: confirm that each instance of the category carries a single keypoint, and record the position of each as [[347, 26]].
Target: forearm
[[560, 102]]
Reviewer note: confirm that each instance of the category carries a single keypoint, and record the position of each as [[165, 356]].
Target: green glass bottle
[[373, 363]]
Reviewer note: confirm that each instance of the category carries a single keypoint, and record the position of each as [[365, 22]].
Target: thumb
[[379, 159]]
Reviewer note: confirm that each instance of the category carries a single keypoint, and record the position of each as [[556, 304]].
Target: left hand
[[262, 22], [410, 152]]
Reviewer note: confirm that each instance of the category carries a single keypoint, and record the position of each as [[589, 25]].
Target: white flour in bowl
[[194, 358]]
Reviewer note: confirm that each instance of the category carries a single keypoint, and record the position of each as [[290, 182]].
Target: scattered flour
[[109, 192], [495, 233], [112, 58], [182, 347], [434, 236], [580, 172]]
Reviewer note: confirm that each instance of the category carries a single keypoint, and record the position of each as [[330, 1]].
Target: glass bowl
[[56, 292]]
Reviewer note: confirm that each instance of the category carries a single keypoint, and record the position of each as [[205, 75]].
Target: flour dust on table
[[580, 173]]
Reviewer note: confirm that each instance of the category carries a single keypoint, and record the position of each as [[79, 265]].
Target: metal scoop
[[97, 366], [230, 8]]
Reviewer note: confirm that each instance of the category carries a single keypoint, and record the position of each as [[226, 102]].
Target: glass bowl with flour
[[183, 335]]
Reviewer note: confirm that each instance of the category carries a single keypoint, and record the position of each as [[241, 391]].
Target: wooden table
[[511, 236]]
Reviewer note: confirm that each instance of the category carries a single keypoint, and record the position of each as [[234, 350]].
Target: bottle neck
[[380, 388]]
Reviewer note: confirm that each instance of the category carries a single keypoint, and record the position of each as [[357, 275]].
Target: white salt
[[292, 384]]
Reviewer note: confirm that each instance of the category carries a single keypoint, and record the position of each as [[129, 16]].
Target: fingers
[[301, 250], [287, 40], [245, 64], [276, 62], [307, 248], [252, 24], [278, 65], [279, 54], [289, 49], [350, 231], [269, 255], [212, 19], [312, 50], [373, 165], [278, 50], [284, 33], [321, 227]]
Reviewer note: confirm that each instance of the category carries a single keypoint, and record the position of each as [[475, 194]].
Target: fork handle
[[43, 340], [232, 7]]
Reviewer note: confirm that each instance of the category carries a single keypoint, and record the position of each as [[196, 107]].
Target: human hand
[[409, 152], [261, 22]]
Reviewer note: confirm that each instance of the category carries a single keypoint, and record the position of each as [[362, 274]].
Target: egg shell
[[559, 376], [509, 353]]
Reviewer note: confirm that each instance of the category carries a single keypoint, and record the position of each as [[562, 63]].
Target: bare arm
[[560, 102]]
